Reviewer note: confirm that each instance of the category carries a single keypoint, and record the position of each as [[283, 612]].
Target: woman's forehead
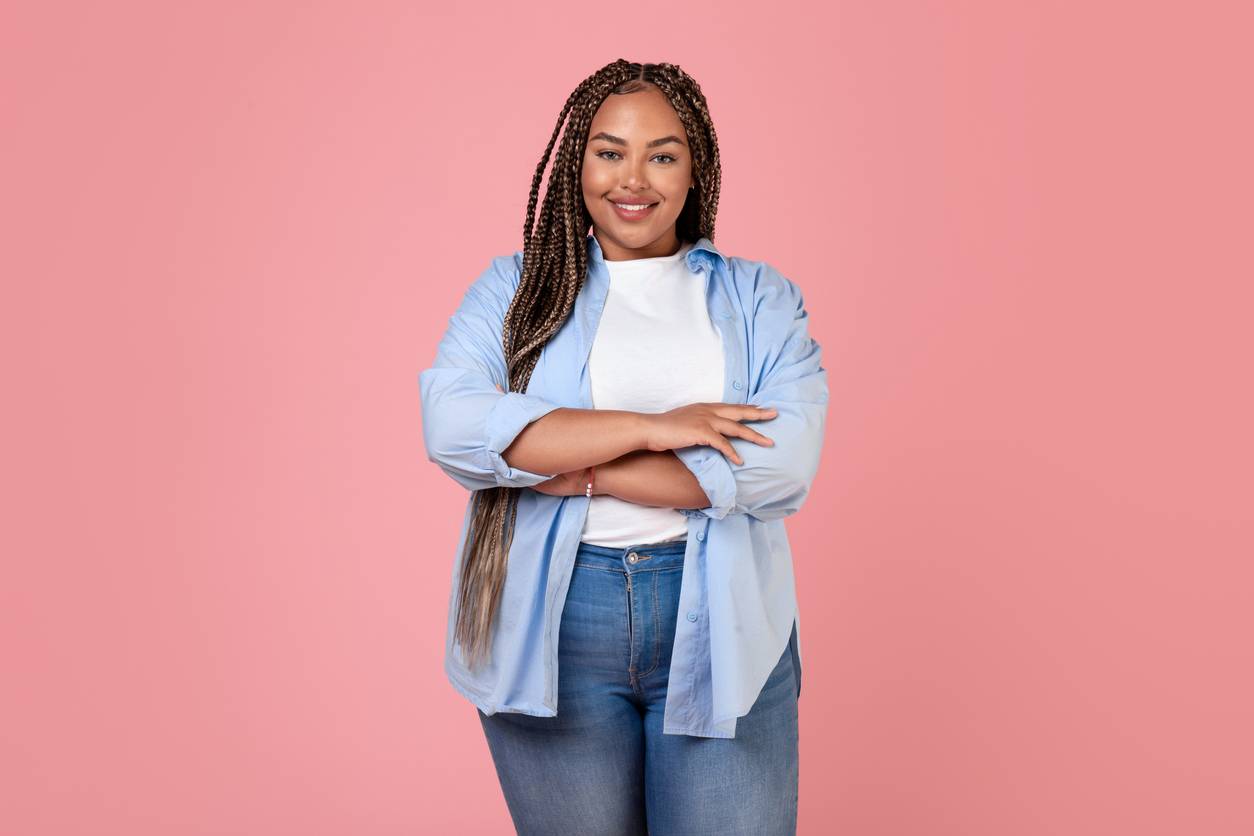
[[632, 115]]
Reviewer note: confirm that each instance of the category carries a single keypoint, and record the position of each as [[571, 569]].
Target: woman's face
[[637, 153]]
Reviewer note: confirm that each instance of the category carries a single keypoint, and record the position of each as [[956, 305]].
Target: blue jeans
[[602, 766]]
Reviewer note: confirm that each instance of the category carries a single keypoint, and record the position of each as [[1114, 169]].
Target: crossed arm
[[483, 437], [614, 442], [647, 477]]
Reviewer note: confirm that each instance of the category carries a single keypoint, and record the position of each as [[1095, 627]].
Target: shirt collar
[[703, 249]]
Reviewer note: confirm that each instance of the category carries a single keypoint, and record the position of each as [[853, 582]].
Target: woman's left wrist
[[596, 475]]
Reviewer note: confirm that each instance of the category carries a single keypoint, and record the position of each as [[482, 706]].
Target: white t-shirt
[[655, 349]]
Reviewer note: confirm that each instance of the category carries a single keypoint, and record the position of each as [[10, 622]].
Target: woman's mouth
[[633, 212]]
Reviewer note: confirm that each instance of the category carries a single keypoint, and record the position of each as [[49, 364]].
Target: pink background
[[232, 235]]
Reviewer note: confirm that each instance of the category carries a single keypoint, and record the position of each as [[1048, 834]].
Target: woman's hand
[[710, 424], [573, 483]]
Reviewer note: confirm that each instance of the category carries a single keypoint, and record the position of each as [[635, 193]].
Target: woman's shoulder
[[500, 276], [760, 279]]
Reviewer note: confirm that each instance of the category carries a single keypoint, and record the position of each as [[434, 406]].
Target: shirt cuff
[[715, 476], [507, 418]]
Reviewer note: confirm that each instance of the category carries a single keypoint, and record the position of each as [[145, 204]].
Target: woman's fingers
[[728, 428], [718, 442], [741, 411], [731, 415], [739, 430]]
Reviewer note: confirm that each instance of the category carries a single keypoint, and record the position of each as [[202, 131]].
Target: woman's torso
[[655, 349]]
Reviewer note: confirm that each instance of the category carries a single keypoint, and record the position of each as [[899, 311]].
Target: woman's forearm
[[571, 439], [646, 477]]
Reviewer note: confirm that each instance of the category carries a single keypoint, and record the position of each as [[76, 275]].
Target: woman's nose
[[636, 179]]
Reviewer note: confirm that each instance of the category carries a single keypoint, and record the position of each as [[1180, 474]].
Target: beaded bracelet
[[588, 491]]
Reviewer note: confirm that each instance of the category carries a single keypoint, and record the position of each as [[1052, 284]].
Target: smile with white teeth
[[634, 207]]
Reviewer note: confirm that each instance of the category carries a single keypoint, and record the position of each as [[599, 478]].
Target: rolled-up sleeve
[[467, 422], [788, 375]]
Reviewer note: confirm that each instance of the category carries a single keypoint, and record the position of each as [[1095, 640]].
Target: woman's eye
[[602, 154]]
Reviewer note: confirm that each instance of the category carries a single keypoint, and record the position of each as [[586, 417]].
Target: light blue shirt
[[738, 605]]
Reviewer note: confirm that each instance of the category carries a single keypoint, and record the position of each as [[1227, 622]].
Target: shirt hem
[[699, 732], [489, 709]]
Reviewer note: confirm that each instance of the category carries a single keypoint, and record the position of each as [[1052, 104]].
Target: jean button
[[631, 557], [692, 616]]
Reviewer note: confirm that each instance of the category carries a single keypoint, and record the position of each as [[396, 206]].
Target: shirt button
[[692, 616], [700, 535], [735, 384], [631, 557]]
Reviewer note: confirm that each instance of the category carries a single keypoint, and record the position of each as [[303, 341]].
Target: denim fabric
[[602, 765]]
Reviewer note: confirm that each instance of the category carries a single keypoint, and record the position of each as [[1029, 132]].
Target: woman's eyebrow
[[620, 141]]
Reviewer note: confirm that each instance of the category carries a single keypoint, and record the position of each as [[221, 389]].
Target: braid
[[555, 265]]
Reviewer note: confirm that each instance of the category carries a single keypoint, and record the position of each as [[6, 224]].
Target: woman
[[637, 668]]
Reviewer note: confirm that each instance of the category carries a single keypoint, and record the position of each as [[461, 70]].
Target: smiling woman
[[637, 174], [634, 133], [624, 616]]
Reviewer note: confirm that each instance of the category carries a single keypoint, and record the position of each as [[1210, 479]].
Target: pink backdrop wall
[[233, 234]]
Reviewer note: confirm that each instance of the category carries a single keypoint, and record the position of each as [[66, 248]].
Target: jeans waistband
[[634, 557]]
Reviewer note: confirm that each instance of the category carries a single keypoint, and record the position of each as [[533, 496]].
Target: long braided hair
[[554, 267]]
